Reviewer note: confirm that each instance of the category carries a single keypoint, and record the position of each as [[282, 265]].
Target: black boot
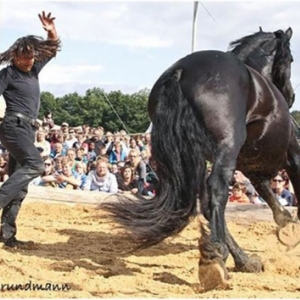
[[16, 244]]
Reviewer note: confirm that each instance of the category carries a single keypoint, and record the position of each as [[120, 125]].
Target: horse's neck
[[264, 69]]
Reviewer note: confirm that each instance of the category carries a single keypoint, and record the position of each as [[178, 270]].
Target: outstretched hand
[[47, 21]]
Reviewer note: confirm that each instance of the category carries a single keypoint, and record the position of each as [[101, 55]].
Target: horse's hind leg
[[243, 263], [212, 246]]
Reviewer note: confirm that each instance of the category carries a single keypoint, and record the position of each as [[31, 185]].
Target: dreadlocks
[[28, 44]]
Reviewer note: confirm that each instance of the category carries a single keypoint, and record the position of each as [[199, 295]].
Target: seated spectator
[[91, 166], [126, 181], [133, 146], [81, 169], [239, 193], [42, 143], [81, 156], [49, 171], [278, 186], [58, 150], [139, 142], [117, 154], [60, 138], [91, 155], [71, 154], [239, 177], [101, 179], [103, 151], [111, 141], [71, 139], [138, 166], [67, 179], [80, 143], [57, 163], [114, 169], [3, 169]]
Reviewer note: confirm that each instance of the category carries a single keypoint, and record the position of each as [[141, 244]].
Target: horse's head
[[281, 71], [269, 53]]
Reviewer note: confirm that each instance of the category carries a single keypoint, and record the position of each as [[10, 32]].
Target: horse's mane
[[260, 45], [253, 46]]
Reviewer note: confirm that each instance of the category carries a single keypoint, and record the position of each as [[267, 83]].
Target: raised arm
[[48, 25]]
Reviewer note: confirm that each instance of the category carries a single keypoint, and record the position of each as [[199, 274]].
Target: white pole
[[194, 25]]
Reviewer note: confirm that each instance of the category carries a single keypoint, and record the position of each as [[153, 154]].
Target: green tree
[[296, 116], [114, 111]]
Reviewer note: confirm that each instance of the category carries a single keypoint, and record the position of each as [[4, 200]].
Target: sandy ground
[[75, 246]]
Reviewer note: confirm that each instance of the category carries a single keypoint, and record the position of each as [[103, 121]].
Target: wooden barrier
[[39, 193]]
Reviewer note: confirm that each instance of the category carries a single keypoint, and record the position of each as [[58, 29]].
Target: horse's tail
[[180, 144]]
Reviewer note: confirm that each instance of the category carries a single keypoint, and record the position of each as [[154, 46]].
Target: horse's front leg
[[289, 230], [262, 185], [290, 234]]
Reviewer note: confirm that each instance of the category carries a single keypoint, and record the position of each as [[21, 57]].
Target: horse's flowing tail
[[179, 147]]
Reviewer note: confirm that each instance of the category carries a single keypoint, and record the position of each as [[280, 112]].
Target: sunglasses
[[48, 165], [132, 156]]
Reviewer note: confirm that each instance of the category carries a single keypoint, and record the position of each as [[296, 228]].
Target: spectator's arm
[[49, 178]]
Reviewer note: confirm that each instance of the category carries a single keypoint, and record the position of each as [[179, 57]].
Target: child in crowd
[[239, 193]]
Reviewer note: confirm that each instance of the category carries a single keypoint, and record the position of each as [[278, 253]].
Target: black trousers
[[25, 163]]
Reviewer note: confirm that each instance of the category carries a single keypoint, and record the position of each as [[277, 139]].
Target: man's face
[[102, 169], [24, 62]]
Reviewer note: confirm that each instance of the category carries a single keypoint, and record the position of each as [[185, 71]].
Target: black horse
[[230, 108]]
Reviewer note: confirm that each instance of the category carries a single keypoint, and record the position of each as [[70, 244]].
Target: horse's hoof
[[213, 275], [289, 235], [253, 265]]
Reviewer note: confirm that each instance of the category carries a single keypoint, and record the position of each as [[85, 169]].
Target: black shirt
[[21, 90]]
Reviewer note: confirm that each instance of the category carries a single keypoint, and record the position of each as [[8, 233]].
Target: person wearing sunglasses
[[49, 171], [278, 184], [19, 85]]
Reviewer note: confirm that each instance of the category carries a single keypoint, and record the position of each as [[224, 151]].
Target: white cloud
[[60, 74], [128, 43]]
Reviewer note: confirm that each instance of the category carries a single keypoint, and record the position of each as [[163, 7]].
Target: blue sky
[[121, 45]]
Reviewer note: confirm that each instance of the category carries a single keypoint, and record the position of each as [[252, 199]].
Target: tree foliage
[[113, 111], [296, 117]]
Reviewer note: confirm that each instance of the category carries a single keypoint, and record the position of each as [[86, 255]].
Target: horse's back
[[208, 78], [233, 101]]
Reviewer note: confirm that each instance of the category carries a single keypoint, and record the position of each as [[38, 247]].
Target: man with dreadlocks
[[19, 85]]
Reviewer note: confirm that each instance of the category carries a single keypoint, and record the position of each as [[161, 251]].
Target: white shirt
[[107, 183]]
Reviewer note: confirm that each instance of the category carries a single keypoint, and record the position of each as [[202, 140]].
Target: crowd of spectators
[[91, 159]]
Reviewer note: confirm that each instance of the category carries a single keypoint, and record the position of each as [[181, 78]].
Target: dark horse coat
[[230, 108]]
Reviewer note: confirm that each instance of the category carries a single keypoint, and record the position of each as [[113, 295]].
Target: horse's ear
[[260, 29], [289, 33]]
